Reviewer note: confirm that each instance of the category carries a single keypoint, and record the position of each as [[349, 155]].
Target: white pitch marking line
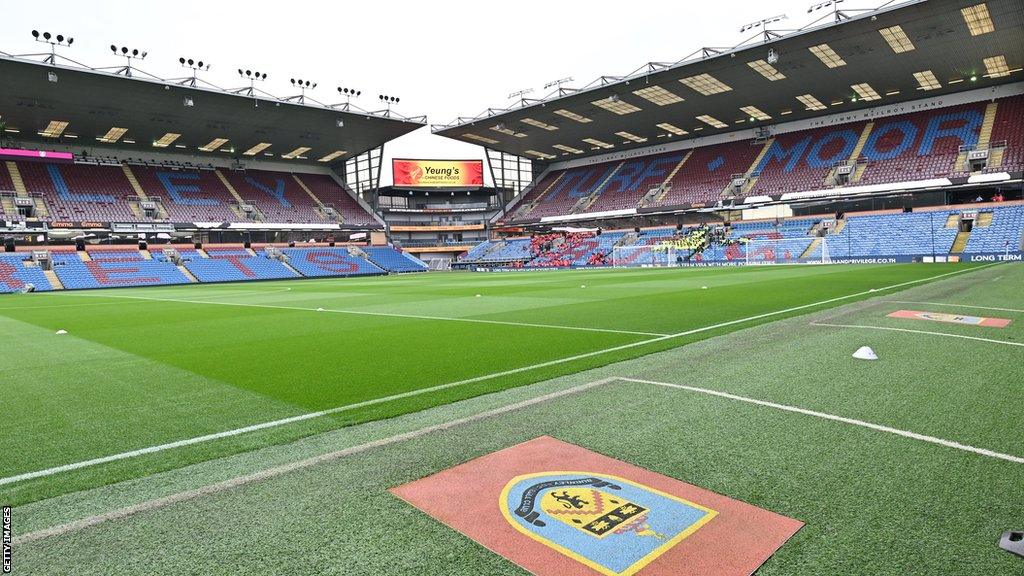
[[392, 315], [293, 466], [419, 391], [956, 305], [925, 332], [843, 419]]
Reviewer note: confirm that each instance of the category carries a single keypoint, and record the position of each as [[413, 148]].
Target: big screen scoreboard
[[438, 173]]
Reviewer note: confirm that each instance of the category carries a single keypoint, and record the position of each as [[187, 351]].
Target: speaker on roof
[[9, 244]]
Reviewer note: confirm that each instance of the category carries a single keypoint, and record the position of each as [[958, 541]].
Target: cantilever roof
[[868, 59], [94, 102]]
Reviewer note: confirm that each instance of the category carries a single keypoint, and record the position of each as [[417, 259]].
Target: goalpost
[[803, 250], [656, 256]]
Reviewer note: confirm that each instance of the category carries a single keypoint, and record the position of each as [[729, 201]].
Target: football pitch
[[226, 413]]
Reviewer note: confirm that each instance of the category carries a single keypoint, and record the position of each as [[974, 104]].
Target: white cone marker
[[865, 353]]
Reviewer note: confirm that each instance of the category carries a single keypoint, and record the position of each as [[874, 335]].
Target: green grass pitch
[[146, 367]]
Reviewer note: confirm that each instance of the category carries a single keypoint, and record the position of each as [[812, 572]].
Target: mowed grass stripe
[[389, 315], [420, 391], [312, 362]]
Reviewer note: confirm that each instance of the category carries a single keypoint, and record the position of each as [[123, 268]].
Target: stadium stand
[[329, 262], [886, 235], [1007, 141], [394, 261], [16, 273], [278, 196], [75, 192], [188, 195], [633, 180], [232, 265], [1004, 231], [106, 193], [113, 269], [918, 146], [803, 160], [331, 194], [706, 173]]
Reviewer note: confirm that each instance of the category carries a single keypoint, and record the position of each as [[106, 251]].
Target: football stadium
[[757, 309]]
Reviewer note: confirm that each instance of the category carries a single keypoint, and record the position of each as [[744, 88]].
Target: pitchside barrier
[[886, 259]]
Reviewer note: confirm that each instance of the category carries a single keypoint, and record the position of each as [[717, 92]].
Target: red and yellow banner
[[438, 173]]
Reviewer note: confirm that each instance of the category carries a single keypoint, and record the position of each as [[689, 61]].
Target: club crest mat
[[950, 318], [555, 508]]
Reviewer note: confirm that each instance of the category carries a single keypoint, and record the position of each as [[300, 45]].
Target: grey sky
[[443, 58]]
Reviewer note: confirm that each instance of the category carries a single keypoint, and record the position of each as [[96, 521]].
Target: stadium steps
[[145, 255], [8, 205], [134, 207], [960, 242], [41, 209], [287, 265], [984, 220], [134, 182], [953, 221], [863, 140], [524, 210], [665, 188], [55, 282], [811, 248], [858, 172], [252, 252], [231, 189], [830, 179], [585, 203], [237, 209], [840, 224], [985, 136], [84, 256], [628, 239], [187, 274], [751, 180], [307, 190], [202, 253], [16, 180], [995, 156]]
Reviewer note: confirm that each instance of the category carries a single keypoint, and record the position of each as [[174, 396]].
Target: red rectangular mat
[[951, 318], [560, 510]]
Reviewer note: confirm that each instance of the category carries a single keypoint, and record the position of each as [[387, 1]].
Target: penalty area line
[[826, 416], [309, 416]]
